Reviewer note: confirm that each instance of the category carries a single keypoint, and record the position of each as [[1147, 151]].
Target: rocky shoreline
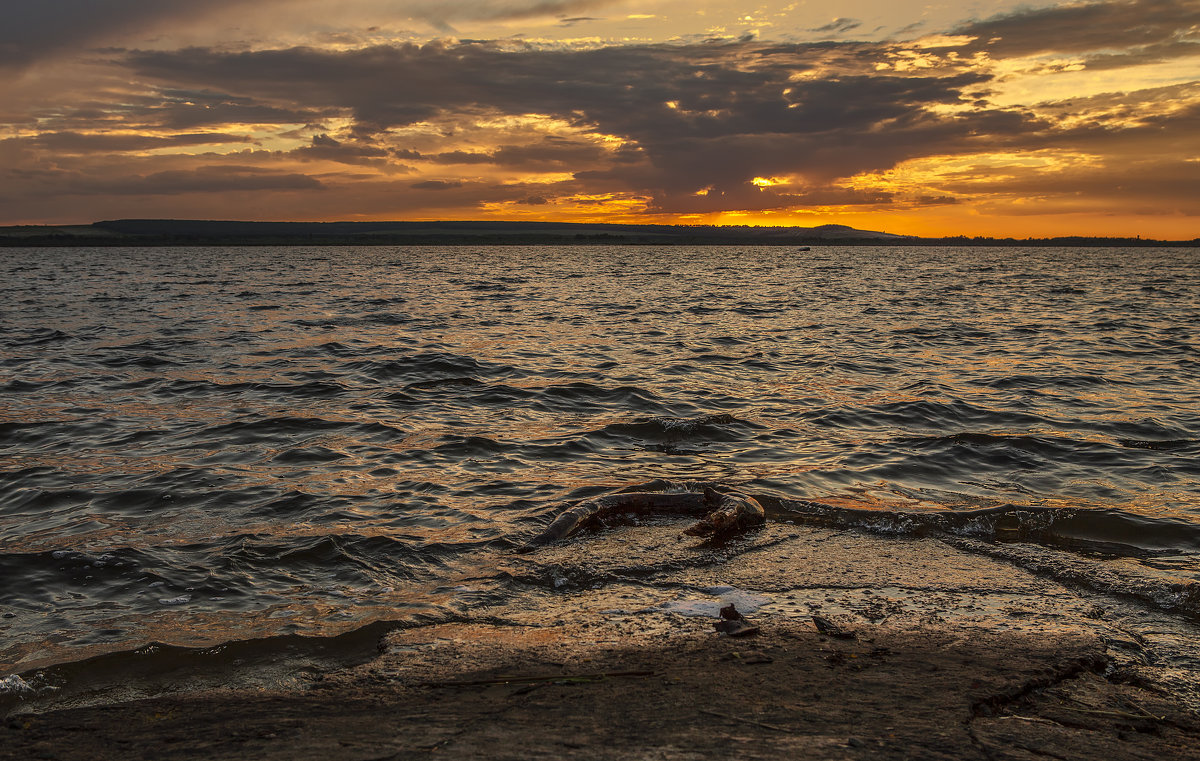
[[937, 652]]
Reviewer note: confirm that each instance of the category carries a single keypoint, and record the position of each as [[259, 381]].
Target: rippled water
[[204, 445]]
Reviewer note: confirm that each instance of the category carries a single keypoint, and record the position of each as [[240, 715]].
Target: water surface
[[214, 444]]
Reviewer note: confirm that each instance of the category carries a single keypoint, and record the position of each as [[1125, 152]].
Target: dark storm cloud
[[839, 25], [78, 143], [325, 148], [1131, 185], [1163, 25], [1149, 54], [550, 153], [201, 118], [34, 29], [189, 110], [577, 20], [436, 185], [698, 116], [461, 157], [394, 86], [441, 14], [699, 121], [209, 179], [1163, 121], [518, 9], [219, 178], [31, 30]]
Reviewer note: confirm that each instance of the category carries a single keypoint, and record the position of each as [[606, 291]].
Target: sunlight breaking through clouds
[[592, 109]]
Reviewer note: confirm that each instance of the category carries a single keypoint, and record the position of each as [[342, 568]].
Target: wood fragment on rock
[[734, 623]]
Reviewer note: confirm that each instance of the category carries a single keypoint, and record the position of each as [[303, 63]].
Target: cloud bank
[[666, 131]]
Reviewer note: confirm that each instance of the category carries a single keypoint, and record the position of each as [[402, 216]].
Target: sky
[[986, 117]]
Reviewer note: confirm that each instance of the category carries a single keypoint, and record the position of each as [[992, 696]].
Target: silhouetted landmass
[[174, 232]]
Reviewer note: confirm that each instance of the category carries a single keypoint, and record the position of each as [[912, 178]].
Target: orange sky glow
[[997, 118]]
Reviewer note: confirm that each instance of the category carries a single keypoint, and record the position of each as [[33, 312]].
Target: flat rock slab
[[605, 648], [493, 692]]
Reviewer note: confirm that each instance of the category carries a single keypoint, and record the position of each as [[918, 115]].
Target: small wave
[[359, 561], [1174, 445], [283, 430], [1151, 430], [1103, 531], [582, 397], [19, 386], [984, 451], [427, 366], [383, 302], [309, 456], [1168, 594], [203, 388], [470, 446], [923, 413], [755, 311], [441, 383], [1022, 382], [41, 501], [719, 427], [158, 668], [50, 434], [337, 349], [30, 475], [37, 579], [972, 438], [365, 320], [39, 337], [144, 361]]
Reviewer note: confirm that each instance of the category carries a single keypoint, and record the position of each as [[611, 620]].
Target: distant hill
[[186, 232], [144, 232]]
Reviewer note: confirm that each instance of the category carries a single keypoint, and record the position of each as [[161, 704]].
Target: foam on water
[[745, 602], [15, 685]]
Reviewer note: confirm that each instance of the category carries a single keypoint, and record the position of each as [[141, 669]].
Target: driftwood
[[723, 514], [734, 623], [731, 514]]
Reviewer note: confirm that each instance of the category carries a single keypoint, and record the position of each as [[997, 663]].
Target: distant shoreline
[[184, 233]]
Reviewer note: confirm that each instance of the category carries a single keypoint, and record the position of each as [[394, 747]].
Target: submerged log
[[731, 514], [724, 514]]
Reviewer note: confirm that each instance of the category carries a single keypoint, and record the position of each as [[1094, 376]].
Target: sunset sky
[[989, 117]]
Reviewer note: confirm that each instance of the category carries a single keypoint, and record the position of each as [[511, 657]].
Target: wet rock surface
[[609, 651]]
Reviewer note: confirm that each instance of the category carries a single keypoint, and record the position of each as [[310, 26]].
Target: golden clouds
[[988, 122]]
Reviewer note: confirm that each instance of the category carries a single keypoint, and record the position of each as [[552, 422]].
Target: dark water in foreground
[[206, 445]]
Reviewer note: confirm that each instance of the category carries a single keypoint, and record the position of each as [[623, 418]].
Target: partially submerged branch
[[724, 515]]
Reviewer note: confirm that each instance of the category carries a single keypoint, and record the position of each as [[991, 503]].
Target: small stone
[[830, 629]]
